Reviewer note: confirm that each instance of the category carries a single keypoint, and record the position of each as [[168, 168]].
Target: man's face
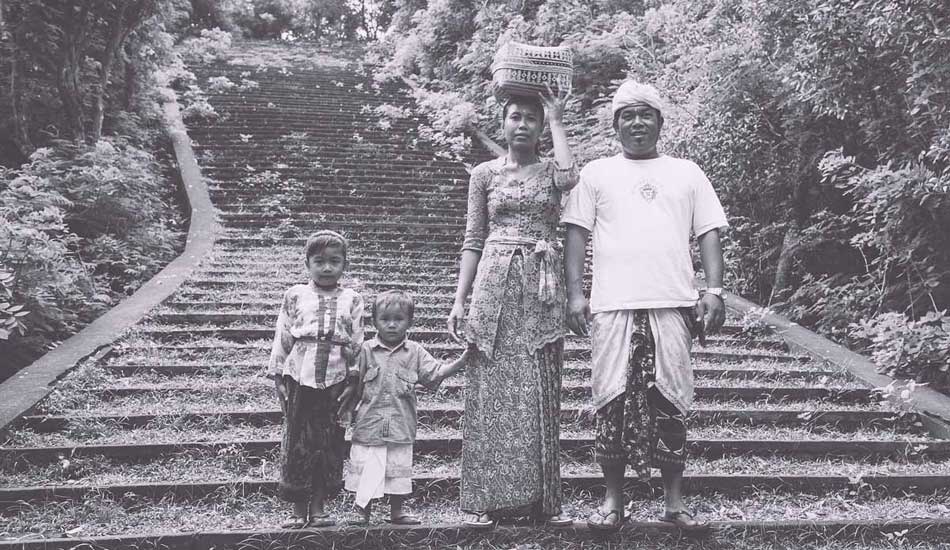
[[638, 127]]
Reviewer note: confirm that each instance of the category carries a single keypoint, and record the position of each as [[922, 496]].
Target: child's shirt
[[387, 410], [318, 336]]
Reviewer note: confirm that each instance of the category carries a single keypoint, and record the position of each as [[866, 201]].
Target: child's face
[[326, 266], [392, 322]]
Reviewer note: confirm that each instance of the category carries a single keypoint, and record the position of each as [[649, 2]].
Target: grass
[[101, 514]]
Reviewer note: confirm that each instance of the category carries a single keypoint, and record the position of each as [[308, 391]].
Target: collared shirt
[[319, 334], [387, 410]]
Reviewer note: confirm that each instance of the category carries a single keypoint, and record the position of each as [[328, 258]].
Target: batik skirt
[[312, 447], [511, 428]]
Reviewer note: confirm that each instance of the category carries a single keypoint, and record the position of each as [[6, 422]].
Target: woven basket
[[523, 69]]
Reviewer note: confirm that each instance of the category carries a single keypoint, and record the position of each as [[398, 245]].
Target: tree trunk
[[117, 34], [786, 260], [21, 127], [69, 72]]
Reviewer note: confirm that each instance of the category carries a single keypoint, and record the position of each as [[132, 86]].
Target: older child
[[313, 363], [385, 427]]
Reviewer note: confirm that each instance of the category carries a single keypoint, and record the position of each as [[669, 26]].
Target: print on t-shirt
[[648, 190]]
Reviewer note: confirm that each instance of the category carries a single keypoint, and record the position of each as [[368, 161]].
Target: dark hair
[[530, 100], [394, 298], [322, 240]]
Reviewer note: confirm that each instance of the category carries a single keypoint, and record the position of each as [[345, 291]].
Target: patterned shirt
[[509, 215], [319, 334], [387, 410]]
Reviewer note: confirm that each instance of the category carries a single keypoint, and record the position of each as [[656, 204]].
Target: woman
[[512, 263]]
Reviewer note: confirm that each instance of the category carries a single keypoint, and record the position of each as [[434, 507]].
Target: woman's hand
[[281, 388], [554, 103], [454, 321]]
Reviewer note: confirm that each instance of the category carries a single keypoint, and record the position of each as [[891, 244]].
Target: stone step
[[875, 534], [447, 487], [568, 391], [580, 447], [450, 416]]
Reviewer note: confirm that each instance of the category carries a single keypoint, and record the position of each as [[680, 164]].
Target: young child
[[385, 426], [313, 363]]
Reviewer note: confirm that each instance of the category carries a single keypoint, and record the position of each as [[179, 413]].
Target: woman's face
[[523, 125]]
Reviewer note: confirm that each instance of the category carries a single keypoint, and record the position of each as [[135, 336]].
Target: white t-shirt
[[642, 213]]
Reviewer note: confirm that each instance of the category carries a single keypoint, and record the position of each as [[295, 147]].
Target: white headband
[[631, 92]]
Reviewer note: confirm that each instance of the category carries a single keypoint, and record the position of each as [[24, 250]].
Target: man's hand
[[712, 310], [578, 314]]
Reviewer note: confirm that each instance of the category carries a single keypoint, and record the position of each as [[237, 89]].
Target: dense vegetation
[[87, 202], [825, 126]]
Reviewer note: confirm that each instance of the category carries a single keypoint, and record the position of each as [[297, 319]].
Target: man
[[644, 308]]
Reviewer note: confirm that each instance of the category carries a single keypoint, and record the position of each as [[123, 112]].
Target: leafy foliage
[[82, 227], [823, 124], [91, 215]]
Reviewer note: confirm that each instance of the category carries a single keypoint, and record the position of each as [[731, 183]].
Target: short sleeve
[[581, 207], [707, 210], [476, 223], [427, 368]]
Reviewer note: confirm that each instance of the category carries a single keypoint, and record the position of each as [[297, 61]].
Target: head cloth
[[631, 92]]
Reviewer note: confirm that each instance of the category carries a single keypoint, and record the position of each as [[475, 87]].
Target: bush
[[82, 227], [902, 348]]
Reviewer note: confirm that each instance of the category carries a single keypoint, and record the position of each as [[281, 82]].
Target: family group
[[526, 290]]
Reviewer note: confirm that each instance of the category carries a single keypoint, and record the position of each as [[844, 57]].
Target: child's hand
[[346, 400]]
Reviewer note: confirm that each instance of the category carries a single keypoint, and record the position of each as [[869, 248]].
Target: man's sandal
[[481, 521], [606, 520], [684, 520], [295, 522], [321, 520]]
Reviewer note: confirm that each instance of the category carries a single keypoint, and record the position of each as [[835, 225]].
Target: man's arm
[[711, 308], [575, 251]]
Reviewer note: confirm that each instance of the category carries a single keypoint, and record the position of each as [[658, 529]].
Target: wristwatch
[[716, 291]]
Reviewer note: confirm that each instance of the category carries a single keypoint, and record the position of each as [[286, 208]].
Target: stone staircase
[[169, 439]]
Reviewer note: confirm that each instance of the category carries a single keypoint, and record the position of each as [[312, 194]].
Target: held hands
[[281, 388], [578, 314], [712, 311], [554, 103], [347, 401], [454, 321]]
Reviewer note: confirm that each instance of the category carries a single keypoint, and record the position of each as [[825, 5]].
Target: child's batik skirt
[[311, 451]]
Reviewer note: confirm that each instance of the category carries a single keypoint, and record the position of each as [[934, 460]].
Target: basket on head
[[523, 69]]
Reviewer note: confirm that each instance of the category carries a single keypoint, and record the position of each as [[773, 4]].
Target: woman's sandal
[[481, 521], [558, 520], [684, 520], [295, 522], [405, 519], [321, 520], [600, 520]]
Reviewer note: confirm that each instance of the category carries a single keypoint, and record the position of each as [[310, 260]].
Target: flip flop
[[294, 522], [684, 520], [559, 521], [323, 520], [405, 519], [600, 520], [478, 524]]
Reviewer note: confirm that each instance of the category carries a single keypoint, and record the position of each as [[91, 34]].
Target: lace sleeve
[[476, 226]]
